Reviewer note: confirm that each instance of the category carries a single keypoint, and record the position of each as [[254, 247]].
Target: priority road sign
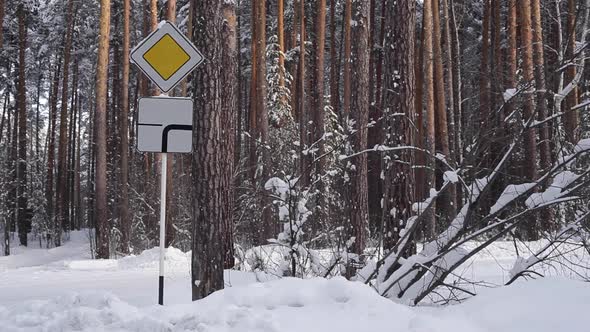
[[166, 56], [165, 124]]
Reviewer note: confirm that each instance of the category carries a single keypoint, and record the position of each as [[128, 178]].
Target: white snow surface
[[63, 290]]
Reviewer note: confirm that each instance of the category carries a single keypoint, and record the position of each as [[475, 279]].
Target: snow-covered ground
[[63, 290]]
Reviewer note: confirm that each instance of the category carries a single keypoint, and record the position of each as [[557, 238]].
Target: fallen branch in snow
[[413, 278]]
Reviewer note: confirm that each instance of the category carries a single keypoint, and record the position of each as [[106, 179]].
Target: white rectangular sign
[[165, 124]]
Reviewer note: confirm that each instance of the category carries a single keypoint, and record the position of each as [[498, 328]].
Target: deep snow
[[63, 290]]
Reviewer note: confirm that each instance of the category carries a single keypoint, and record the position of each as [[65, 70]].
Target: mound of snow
[[295, 305], [75, 248], [91, 264], [89, 311], [150, 259], [547, 304]]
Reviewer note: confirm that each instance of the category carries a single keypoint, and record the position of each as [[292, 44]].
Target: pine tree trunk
[[124, 134], [4, 115], [209, 83], [49, 187], [420, 172], [484, 79], [37, 120], [253, 114], [77, 170], [241, 115], [334, 63], [23, 222], [171, 11], [511, 51], [8, 163], [317, 107], [539, 62], [70, 207], [449, 86], [1, 23], [305, 112], [90, 182], [281, 37], [295, 36], [427, 40], [572, 118], [447, 205], [14, 166], [300, 100], [262, 112], [375, 133], [347, 58], [100, 210], [189, 28], [228, 118], [398, 97], [530, 144], [61, 186], [359, 114], [498, 82], [457, 95]]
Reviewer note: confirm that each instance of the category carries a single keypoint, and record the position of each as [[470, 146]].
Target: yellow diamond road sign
[[166, 56]]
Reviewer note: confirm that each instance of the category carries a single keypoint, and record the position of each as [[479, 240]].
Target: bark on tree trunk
[[317, 107], [100, 210], [539, 62], [530, 144], [484, 81], [228, 118], [334, 63], [70, 207], [4, 111], [300, 100], [9, 163], [61, 189], [572, 118], [281, 37], [427, 41], [375, 133], [208, 197], [446, 204], [450, 94], [359, 114], [253, 115], [267, 231], [457, 95], [124, 134], [347, 59], [49, 188], [1, 23], [77, 176], [511, 51], [23, 222], [420, 172], [398, 97]]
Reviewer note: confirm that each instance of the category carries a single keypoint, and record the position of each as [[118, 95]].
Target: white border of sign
[[165, 27]]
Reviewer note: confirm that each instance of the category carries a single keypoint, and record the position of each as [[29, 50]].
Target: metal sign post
[[162, 226], [165, 124]]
